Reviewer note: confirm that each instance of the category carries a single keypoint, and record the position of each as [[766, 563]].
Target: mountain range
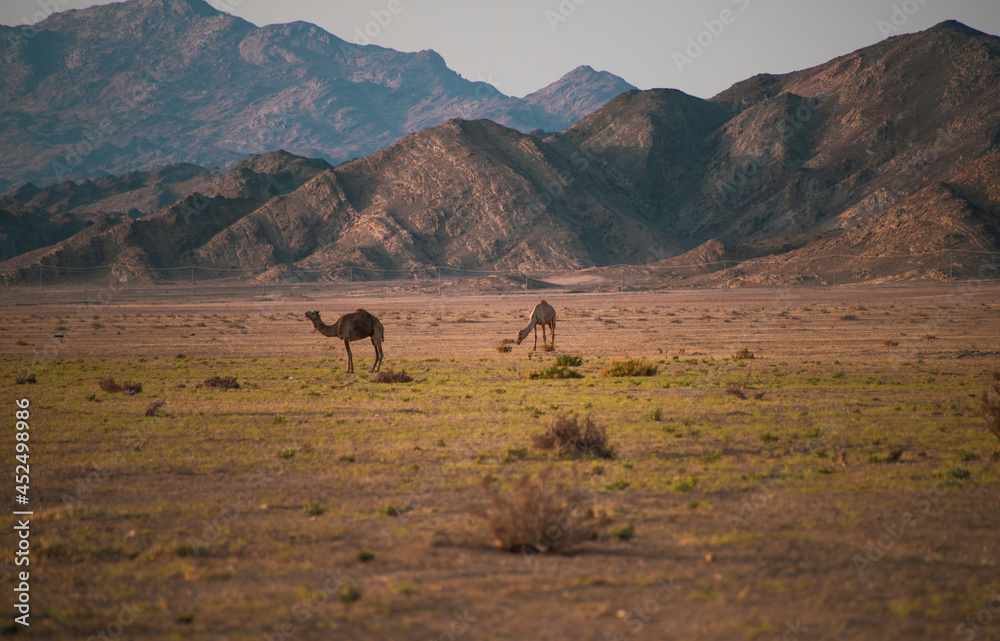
[[860, 169], [146, 83]]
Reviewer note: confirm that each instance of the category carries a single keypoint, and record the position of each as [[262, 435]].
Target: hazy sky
[[522, 45]]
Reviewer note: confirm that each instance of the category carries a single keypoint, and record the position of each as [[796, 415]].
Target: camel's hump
[[361, 311]]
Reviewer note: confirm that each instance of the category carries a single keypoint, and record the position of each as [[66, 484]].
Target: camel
[[543, 315], [352, 327]]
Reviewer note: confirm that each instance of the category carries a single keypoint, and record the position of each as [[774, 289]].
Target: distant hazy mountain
[[146, 83], [858, 167]]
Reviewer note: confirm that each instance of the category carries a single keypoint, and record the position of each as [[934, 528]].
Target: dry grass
[[540, 515], [25, 377], [630, 367], [222, 382], [567, 437], [390, 376], [990, 407]]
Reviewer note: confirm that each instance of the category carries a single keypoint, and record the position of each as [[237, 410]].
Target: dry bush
[[630, 367], [742, 354], [389, 376], [503, 348], [222, 382], [131, 387], [110, 385], [990, 408], [540, 515], [566, 437], [737, 392], [890, 343], [25, 377], [849, 317], [153, 409], [568, 360], [743, 393]]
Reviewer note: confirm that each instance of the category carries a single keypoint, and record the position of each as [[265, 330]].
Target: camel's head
[[313, 316], [521, 335]]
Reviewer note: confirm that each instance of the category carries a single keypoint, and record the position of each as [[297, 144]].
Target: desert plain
[[805, 463]]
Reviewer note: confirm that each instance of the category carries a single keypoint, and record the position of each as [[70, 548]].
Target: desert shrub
[[153, 409], [25, 377], [566, 437], [742, 354], [389, 376], [554, 371], [548, 347], [109, 385], [503, 348], [630, 367], [744, 393], [990, 407], [540, 515], [222, 382], [131, 387], [849, 317], [567, 360], [890, 343]]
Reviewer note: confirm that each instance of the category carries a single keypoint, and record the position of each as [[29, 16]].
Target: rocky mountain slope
[[877, 165], [142, 84]]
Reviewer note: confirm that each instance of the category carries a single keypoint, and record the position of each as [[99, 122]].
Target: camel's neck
[[323, 328]]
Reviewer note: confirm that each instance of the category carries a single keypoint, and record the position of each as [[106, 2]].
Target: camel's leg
[[378, 356], [350, 358], [535, 348], [553, 328], [543, 336]]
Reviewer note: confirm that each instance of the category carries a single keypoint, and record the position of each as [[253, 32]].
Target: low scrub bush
[[554, 371], [566, 360], [153, 409], [109, 385], [503, 348], [540, 515], [567, 437], [222, 382], [630, 367], [742, 354], [389, 376]]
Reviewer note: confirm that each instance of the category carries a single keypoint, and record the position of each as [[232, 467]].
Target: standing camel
[[352, 327], [543, 315]]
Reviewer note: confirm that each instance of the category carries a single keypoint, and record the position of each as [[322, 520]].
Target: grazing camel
[[352, 327], [543, 315]]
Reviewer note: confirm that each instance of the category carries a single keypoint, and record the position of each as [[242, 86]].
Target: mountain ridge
[[864, 168], [170, 82]]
